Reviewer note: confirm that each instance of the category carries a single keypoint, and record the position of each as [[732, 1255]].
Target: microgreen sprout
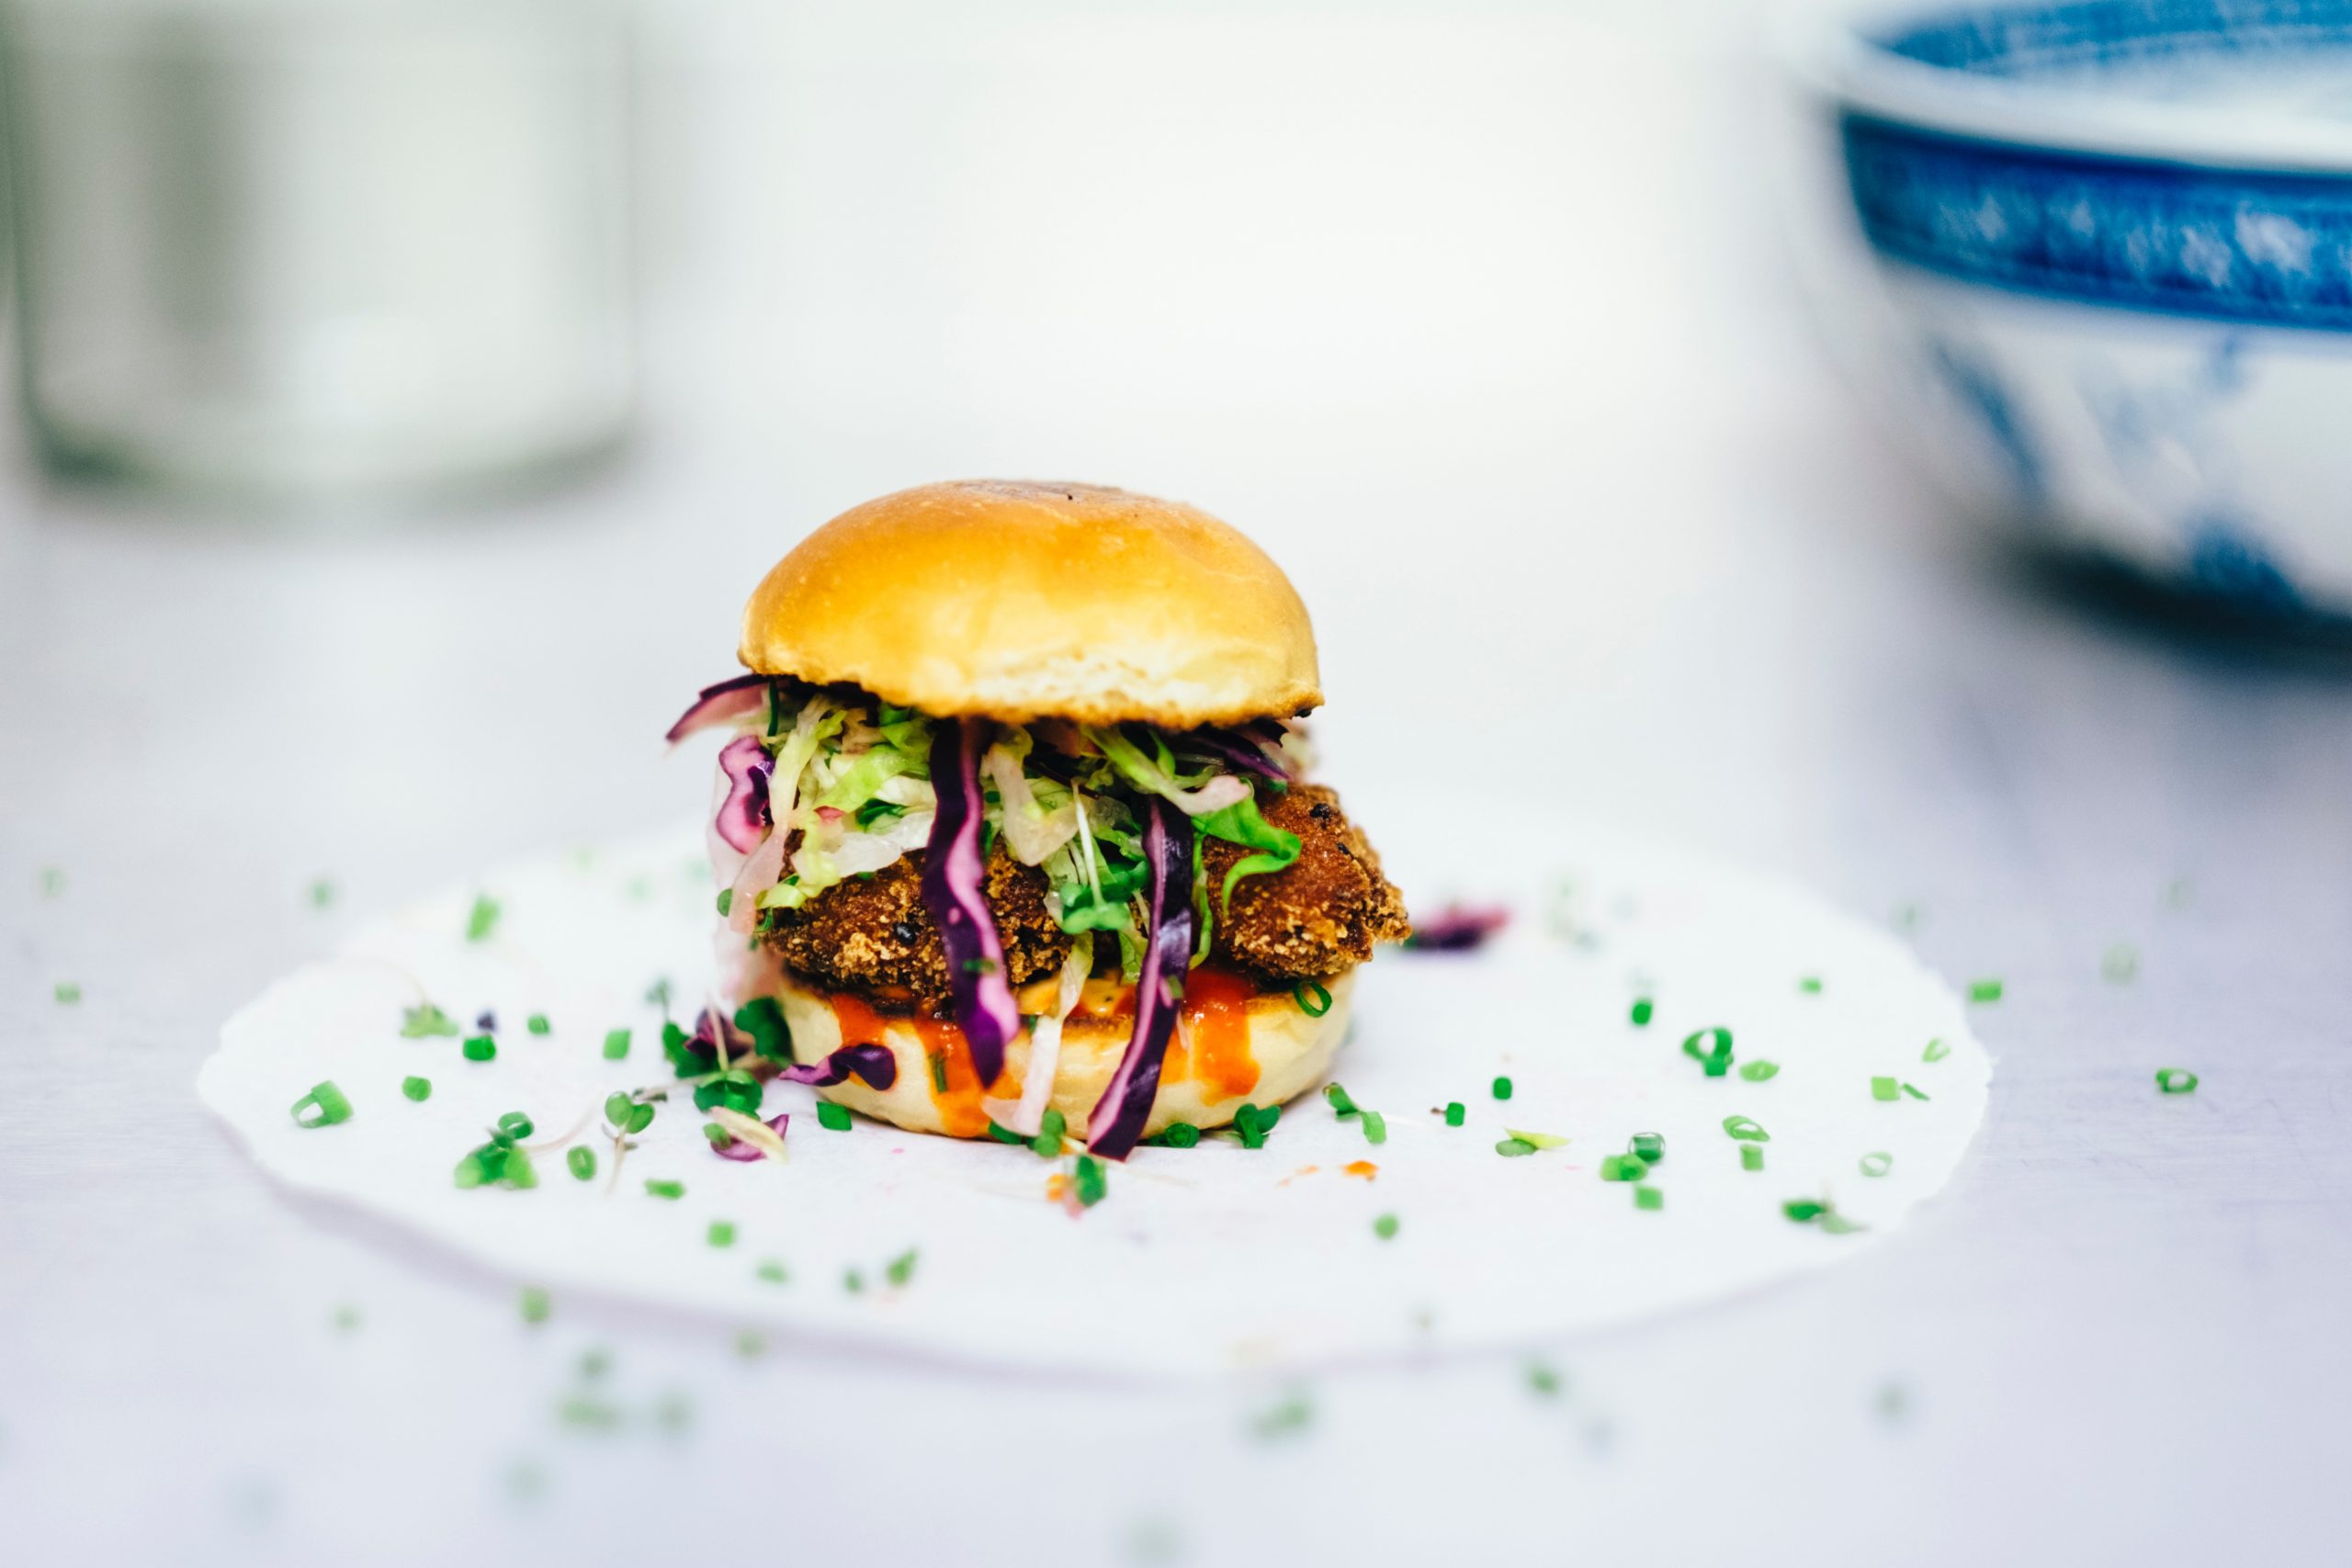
[[626, 1115], [1051, 1126], [902, 1268], [1340, 1101], [424, 1020], [616, 1045], [1088, 1181], [1251, 1123], [1375, 1127], [582, 1161]]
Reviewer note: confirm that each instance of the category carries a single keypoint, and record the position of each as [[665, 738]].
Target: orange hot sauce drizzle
[[960, 1112], [1216, 1017]]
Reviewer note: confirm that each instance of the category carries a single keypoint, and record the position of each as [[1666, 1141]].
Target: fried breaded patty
[[1320, 915]]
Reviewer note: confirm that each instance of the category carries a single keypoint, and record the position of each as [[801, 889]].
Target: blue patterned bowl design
[[2098, 258]]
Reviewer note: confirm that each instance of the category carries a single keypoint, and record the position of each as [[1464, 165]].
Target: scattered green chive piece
[[417, 1089], [1051, 1126], [1180, 1135], [1648, 1197], [1751, 1156], [1803, 1210], [1543, 1379], [1759, 1071], [1454, 1112], [1502, 1088], [902, 1268], [658, 995], [1643, 1011], [616, 1045], [516, 1125], [1746, 1128], [772, 1272], [1878, 1162], [480, 1048], [1006, 1134], [534, 1305], [1313, 999], [1375, 1127], [1514, 1148], [1883, 1088], [853, 1281], [322, 893], [67, 992], [582, 1161], [938, 1060], [1936, 1051], [2120, 963], [1623, 1168], [1810, 984], [1651, 1147], [424, 1019], [323, 1107], [1537, 1140], [672, 1191], [1915, 1093], [718, 1136], [536, 1023], [1092, 1183], [726, 901], [1714, 1055], [1385, 1228], [1984, 991], [483, 918], [833, 1118], [2175, 1080], [1342, 1105], [721, 1234]]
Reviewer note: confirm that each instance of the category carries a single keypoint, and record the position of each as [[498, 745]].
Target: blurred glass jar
[[312, 249]]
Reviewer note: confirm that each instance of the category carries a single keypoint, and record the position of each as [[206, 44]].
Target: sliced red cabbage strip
[[743, 818], [953, 891], [722, 704], [1236, 750], [1159, 988], [874, 1066]]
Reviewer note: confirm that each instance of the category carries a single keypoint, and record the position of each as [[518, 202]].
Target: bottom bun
[[1235, 1045]]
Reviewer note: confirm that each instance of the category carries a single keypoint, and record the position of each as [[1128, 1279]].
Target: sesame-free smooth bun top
[[1017, 600]]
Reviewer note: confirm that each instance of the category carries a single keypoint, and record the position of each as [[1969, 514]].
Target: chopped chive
[[1883, 1088], [1502, 1088], [417, 1089], [1805, 1211], [1454, 1112], [1051, 1128], [1746, 1128], [483, 918], [1342, 1105], [938, 1072], [1514, 1148], [1751, 1156], [1643, 1013], [2119, 964], [480, 1048], [902, 1268], [1092, 1183], [720, 1234], [1651, 1147], [771, 1271], [2175, 1080], [1623, 1168], [1375, 1127], [67, 992], [1759, 1071], [1715, 1055], [672, 1191], [424, 1019], [833, 1118], [535, 1303], [718, 1136], [1810, 984], [322, 893], [1537, 1140], [1936, 1051], [1385, 1228], [853, 1281], [1648, 1197], [516, 1125], [1913, 1090], [1985, 990], [582, 1161], [1313, 999], [1006, 1135], [323, 1107], [616, 1045], [536, 1023], [1543, 1379], [1878, 1162]]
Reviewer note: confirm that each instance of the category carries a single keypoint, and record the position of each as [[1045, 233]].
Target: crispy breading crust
[[1317, 918]]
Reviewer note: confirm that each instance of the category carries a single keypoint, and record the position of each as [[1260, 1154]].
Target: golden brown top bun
[[1016, 601]]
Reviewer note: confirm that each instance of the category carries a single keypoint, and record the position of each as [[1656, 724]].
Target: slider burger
[[1012, 819]]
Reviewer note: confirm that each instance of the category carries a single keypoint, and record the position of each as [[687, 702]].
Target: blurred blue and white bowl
[[2096, 258]]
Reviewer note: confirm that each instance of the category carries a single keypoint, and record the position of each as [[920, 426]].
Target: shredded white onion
[[1026, 1114], [1030, 831], [760, 869]]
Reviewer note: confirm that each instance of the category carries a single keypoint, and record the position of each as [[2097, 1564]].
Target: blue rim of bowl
[[2024, 75]]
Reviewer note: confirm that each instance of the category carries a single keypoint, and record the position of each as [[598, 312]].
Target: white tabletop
[[1475, 325]]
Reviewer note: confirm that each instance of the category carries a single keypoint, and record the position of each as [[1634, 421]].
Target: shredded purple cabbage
[[738, 1149], [873, 1064], [744, 816], [738, 698], [1236, 749], [1458, 928], [1126, 1106], [954, 891]]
